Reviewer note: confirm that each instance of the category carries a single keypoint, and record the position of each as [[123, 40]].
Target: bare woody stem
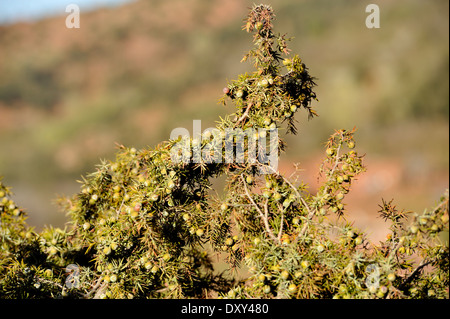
[[281, 225], [264, 216], [413, 274], [310, 212], [243, 115]]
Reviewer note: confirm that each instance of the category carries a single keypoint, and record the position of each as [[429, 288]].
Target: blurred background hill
[[134, 72]]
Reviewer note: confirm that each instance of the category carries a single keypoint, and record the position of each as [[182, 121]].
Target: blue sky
[[28, 10]]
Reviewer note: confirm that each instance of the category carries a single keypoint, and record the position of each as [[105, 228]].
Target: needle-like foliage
[[147, 226]]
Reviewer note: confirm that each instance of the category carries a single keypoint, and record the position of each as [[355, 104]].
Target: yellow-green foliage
[[140, 224]]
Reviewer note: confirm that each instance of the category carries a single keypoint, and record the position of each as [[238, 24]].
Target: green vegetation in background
[[123, 61]]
